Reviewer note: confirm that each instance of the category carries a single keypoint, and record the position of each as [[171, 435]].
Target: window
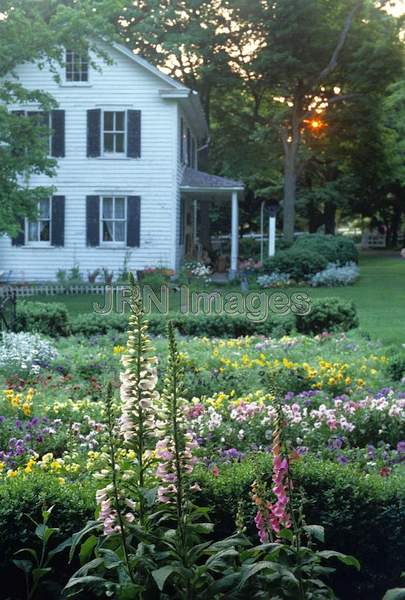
[[114, 132], [77, 66], [40, 231], [113, 219]]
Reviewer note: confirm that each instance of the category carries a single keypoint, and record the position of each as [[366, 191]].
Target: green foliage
[[193, 325], [39, 317], [35, 562], [300, 264], [96, 324], [342, 499], [328, 315], [21, 498], [37, 32], [334, 248], [396, 366]]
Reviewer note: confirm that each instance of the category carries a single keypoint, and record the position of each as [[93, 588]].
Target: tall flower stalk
[[272, 517], [138, 394], [175, 448]]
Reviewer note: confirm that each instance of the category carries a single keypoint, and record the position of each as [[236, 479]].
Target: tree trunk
[[291, 140], [330, 218], [290, 187]]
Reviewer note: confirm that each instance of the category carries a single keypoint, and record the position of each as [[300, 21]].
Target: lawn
[[379, 296]]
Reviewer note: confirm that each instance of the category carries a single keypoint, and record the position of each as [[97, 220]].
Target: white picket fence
[[53, 289]]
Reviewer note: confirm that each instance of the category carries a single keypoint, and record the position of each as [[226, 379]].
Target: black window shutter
[[133, 221], [94, 132], [188, 147], [58, 133], [58, 221], [93, 220], [134, 133], [182, 215], [181, 140], [19, 239]]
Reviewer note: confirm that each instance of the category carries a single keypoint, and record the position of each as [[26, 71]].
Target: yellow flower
[[118, 349], [348, 381], [61, 480], [1, 466], [360, 382], [29, 465], [11, 473]]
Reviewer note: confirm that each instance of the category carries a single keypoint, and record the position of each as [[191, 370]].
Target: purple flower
[[335, 443], [302, 450], [2, 419], [401, 447], [232, 454], [370, 451], [343, 460]]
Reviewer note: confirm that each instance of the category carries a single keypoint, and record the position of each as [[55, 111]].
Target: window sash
[[39, 231], [48, 123], [111, 225], [114, 134], [76, 67]]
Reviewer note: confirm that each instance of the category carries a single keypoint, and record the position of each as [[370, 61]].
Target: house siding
[[154, 176], [179, 176]]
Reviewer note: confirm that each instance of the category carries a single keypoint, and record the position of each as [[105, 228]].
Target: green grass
[[379, 296]]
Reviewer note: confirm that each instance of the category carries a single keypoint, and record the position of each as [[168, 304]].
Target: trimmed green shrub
[[47, 318], [193, 325], [328, 314], [21, 498], [362, 516], [89, 324], [334, 248], [396, 366], [221, 325], [300, 264]]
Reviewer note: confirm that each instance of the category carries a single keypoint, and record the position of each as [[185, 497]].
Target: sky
[[398, 8]]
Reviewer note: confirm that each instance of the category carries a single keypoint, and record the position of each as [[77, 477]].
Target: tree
[[310, 55], [265, 69], [37, 31]]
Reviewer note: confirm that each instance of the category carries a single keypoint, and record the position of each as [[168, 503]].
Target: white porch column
[[234, 237]]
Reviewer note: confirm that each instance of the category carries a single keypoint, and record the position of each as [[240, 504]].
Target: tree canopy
[[37, 31]]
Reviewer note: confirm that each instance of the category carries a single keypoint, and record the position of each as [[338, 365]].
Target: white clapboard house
[[127, 139]]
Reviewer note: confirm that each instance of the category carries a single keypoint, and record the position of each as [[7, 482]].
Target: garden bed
[[344, 416]]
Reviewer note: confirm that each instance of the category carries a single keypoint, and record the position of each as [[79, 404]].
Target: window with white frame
[[113, 219], [76, 66], [114, 131], [39, 231]]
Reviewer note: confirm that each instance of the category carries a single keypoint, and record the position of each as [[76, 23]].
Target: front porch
[[198, 191]]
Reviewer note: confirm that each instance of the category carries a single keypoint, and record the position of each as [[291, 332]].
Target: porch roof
[[199, 181]]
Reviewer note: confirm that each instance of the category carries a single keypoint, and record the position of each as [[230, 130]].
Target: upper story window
[[114, 131], [77, 66], [113, 219], [188, 146], [55, 122], [39, 231]]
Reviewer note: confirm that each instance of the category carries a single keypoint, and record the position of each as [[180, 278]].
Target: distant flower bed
[[25, 353], [334, 275]]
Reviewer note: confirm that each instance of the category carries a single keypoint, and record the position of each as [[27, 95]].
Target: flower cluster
[[167, 471], [274, 280], [199, 270], [19, 401], [25, 353], [335, 275]]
